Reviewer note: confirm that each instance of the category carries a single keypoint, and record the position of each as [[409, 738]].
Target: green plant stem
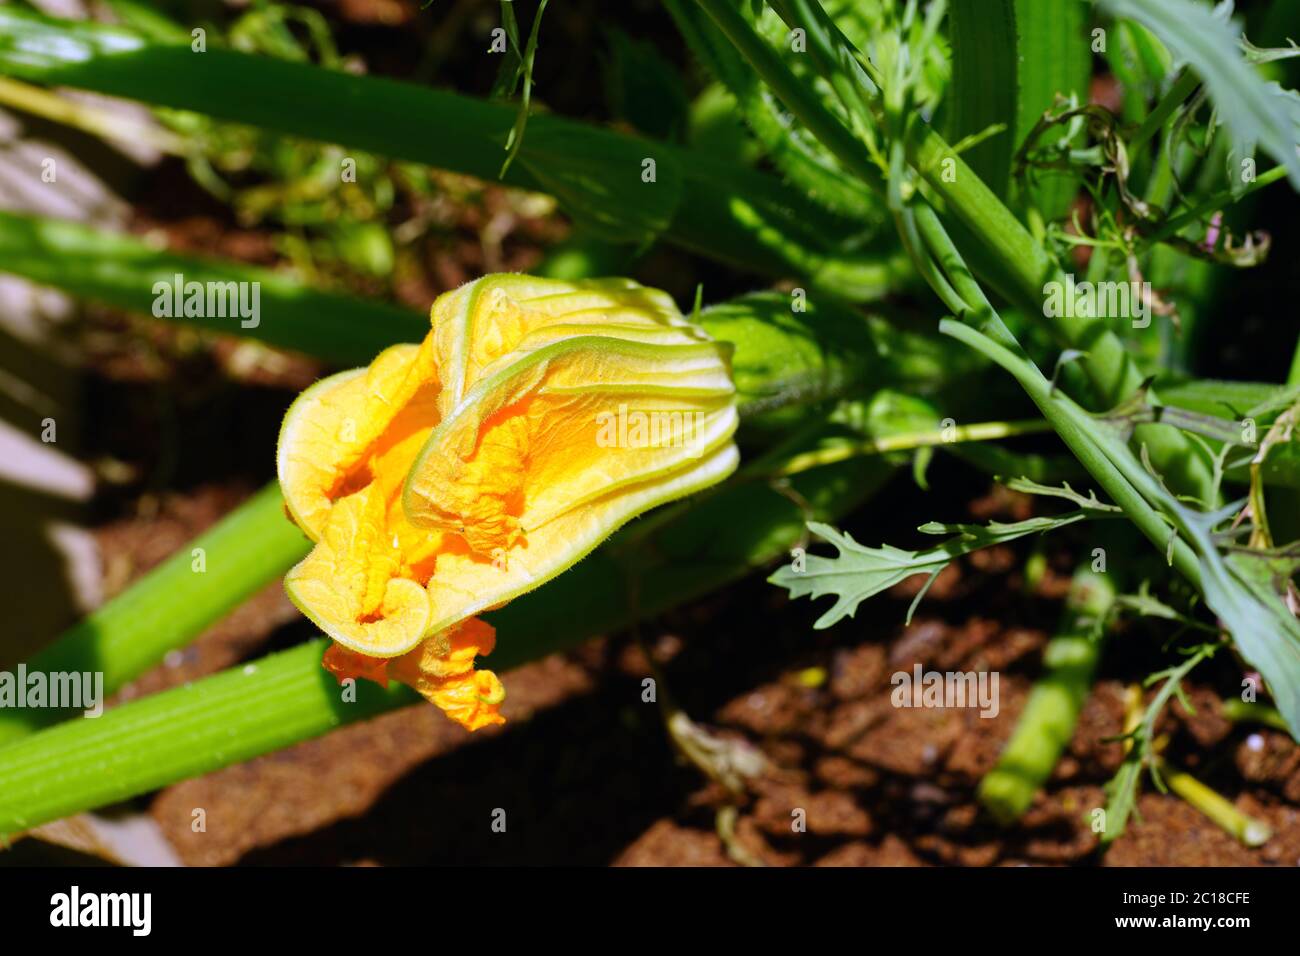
[[1212, 204], [178, 733], [1021, 268], [1054, 58], [172, 604], [1107, 459], [1183, 87], [286, 698], [1107, 363], [50, 106], [1139, 730], [1241, 712], [1047, 722], [980, 431], [985, 84], [1248, 830]]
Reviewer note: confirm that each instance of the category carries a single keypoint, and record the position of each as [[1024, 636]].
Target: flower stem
[[182, 732]]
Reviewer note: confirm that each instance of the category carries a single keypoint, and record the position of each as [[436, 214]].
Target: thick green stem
[[172, 604], [1047, 722], [178, 733], [907, 441], [288, 697]]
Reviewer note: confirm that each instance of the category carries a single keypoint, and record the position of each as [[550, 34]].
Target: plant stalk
[[1047, 722], [980, 431], [288, 697], [1247, 830], [172, 604]]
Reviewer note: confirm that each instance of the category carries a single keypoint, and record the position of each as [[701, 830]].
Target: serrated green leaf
[[1090, 501], [859, 572]]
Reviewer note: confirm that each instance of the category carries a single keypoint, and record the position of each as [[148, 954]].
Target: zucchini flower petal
[[441, 669], [446, 478], [333, 427], [344, 451], [567, 410]]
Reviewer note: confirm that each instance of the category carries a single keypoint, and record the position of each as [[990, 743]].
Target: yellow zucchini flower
[[447, 478]]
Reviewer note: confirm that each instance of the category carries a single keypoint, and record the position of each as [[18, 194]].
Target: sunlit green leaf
[[859, 572]]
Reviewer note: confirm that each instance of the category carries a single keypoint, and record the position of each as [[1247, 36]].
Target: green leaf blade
[[858, 572], [1211, 46]]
